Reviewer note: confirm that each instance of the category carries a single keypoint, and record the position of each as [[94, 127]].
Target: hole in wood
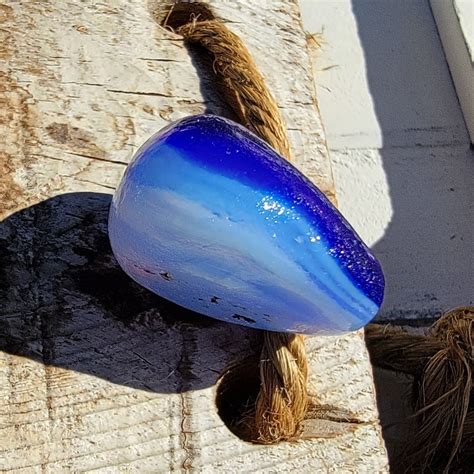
[[237, 392], [174, 14]]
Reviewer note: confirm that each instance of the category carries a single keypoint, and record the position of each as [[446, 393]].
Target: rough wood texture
[[95, 372]]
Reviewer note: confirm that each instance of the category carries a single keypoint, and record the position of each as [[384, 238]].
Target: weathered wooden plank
[[95, 372]]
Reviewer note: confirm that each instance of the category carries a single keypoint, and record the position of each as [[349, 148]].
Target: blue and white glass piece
[[210, 217]]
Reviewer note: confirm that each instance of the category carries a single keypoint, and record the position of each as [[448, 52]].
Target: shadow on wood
[[68, 304]]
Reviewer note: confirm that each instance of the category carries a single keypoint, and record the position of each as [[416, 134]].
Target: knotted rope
[[282, 400], [442, 364]]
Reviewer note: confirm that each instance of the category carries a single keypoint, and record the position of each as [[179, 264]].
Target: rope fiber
[[282, 400], [442, 365]]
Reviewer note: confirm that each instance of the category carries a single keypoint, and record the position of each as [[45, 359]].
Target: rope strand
[[442, 363], [282, 400]]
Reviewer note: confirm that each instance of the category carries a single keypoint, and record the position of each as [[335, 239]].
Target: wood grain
[[97, 374]]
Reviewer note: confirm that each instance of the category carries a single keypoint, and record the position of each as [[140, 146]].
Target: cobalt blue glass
[[210, 217]]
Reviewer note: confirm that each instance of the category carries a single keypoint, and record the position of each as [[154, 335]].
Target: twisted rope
[[282, 400], [243, 86], [442, 363]]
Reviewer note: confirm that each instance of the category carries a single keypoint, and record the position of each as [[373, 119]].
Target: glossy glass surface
[[210, 217]]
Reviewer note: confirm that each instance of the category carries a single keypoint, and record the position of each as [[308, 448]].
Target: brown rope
[[282, 400], [243, 85], [442, 363]]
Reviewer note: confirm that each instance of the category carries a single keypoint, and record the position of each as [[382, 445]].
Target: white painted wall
[[455, 21], [399, 147]]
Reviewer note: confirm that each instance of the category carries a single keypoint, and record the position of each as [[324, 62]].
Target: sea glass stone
[[210, 217]]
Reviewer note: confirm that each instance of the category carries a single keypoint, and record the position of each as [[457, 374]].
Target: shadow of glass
[[67, 303]]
